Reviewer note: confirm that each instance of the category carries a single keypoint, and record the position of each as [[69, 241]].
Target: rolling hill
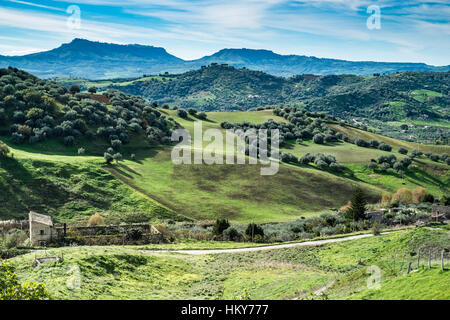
[[94, 60], [69, 179], [382, 102]]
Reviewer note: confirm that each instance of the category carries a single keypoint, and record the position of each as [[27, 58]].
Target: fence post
[[409, 268], [429, 260], [442, 260], [418, 259]]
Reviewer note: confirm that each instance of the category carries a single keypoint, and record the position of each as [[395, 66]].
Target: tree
[[358, 206], [372, 165], [416, 153], [74, 89], [202, 116], [108, 157], [117, 157], [232, 234], [403, 151], [69, 140], [182, 113], [220, 226], [116, 144], [11, 289], [92, 90], [385, 147], [318, 138], [4, 150], [254, 230]]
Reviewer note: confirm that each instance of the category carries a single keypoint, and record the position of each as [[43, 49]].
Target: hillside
[[95, 60], [293, 273], [418, 99], [43, 161]]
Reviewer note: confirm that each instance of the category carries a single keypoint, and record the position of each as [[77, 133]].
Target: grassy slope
[[125, 273], [71, 191], [237, 192]]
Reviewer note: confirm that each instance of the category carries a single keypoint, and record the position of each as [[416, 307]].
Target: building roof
[[40, 218]]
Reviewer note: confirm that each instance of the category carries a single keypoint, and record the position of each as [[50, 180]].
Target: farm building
[[42, 230]]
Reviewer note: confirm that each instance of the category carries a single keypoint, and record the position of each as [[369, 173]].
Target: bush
[[385, 147], [108, 157], [445, 201], [4, 150], [69, 140], [182, 113], [117, 157], [318, 138], [220, 226], [428, 198], [202, 116], [419, 194], [15, 238], [11, 289], [376, 228], [81, 151], [232, 234], [96, 220], [372, 165], [416, 153], [134, 234], [402, 196], [254, 230], [74, 89], [402, 151]]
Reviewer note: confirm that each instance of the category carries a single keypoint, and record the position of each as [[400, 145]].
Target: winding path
[[271, 247]]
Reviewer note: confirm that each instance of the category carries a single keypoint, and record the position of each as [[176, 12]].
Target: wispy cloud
[[411, 30]]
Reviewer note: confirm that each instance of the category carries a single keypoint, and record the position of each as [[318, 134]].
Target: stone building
[[42, 230]]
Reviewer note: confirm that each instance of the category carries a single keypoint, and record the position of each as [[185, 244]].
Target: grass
[[422, 285], [71, 192], [125, 273], [236, 192], [395, 143]]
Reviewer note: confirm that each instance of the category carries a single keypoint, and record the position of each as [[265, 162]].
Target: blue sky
[[414, 31]]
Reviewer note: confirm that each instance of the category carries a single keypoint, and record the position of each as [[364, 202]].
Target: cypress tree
[[358, 206]]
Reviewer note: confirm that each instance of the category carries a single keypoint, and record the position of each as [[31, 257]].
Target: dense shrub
[[220, 226], [96, 220], [182, 113], [318, 138], [254, 230]]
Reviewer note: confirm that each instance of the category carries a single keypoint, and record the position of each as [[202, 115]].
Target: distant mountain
[[95, 60], [289, 65], [88, 59]]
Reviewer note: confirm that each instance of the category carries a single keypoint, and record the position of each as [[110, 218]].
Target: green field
[[126, 273], [236, 192]]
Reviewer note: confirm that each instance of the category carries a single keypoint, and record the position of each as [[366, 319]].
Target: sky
[[360, 30]]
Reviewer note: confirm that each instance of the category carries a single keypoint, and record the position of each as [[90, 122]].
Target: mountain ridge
[[99, 60]]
